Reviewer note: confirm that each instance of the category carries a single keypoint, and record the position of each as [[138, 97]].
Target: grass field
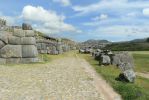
[[129, 91], [141, 59]]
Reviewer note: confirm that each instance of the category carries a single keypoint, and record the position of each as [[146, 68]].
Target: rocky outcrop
[[26, 26], [18, 46]]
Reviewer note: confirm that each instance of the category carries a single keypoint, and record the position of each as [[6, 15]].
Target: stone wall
[[18, 46], [49, 47]]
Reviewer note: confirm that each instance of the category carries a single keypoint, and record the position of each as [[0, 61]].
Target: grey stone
[[116, 61], [28, 41], [2, 44], [125, 66], [26, 26], [54, 51], [105, 60], [10, 51], [43, 51], [129, 75], [29, 33], [14, 40], [2, 61], [29, 51], [29, 60], [4, 36], [123, 57], [19, 32], [13, 60]]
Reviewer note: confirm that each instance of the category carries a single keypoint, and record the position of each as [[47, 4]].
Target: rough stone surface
[[19, 32], [29, 60], [105, 60], [123, 57], [13, 60], [14, 40], [10, 51], [29, 51], [17, 44], [2, 61], [26, 26], [4, 36], [128, 75], [28, 41], [29, 33], [2, 44]]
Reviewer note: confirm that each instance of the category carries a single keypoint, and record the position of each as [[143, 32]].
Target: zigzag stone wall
[[49, 47], [18, 46]]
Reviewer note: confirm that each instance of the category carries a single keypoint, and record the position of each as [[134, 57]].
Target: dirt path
[[145, 75], [105, 90], [62, 79]]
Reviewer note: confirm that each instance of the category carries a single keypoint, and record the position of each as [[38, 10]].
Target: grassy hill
[[134, 45]]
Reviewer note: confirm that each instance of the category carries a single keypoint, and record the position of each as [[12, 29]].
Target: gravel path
[[145, 75], [61, 79]]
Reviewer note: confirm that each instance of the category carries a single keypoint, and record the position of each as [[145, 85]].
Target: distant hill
[[133, 45], [139, 40], [94, 43]]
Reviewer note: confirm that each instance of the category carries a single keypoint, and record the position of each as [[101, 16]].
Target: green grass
[[47, 58], [141, 60], [129, 91]]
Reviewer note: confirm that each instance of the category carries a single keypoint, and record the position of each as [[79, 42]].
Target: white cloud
[[146, 11], [46, 20], [120, 32], [63, 2], [113, 5], [101, 17]]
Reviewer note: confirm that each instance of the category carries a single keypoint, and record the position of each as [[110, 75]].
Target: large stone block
[[2, 61], [28, 41], [39, 46], [29, 60], [11, 51], [29, 33], [19, 32], [105, 60], [26, 26], [43, 46], [123, 57], [4, 36], [14, 40], [43, 51], [13, 60], [29, 51], [2, 44]]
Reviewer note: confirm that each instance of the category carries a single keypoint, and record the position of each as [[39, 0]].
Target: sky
[[80, 20]]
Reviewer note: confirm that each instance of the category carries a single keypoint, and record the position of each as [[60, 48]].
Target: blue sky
[[114, 20]]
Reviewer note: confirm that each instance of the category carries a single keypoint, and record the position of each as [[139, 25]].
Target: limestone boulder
[[28, 41], [14, 40], [29, 33], [13, 60], [29, 60], [4, 36], [18, 32], [2, 61], [26, 26], [123, 57], [11, 51], [2, 44], [105, 60], [29, 51], [128, 76]]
